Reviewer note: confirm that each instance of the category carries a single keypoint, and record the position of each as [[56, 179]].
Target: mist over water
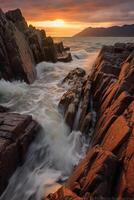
[[54, 153]]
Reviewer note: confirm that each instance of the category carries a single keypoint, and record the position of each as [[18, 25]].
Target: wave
[[54, 153]]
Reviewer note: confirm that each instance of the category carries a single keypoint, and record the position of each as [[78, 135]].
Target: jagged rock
[[63, 194], [95, 173], [17, 62], [70, 101], [74, 76], [16, 17], [86, 124], [16, 133], [43, 48], [23, 46], [118, 132], [85, 104], [106, 119], [125, 187], [107, 169], [71, 113]]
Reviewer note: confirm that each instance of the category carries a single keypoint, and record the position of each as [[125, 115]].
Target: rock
[[16, 133], [23, 46], [17, 62], [16, 17], [70, 101], [86, 124], [95, 173], [65, 57], [74, 76], [3, 109], [70, 114], [116, 135], [107, 169], [43, 48], [106, 119], [63, 194], [125, 186]]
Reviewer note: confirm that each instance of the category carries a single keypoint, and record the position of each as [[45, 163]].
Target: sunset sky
[[67, 17]]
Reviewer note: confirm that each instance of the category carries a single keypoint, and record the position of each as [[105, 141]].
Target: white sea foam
[[54, 153]]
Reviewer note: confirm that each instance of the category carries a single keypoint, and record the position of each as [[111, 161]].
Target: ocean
[[53, 155]]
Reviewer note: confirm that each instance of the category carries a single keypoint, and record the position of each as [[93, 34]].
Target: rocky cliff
[[23, 46], [107, 170]]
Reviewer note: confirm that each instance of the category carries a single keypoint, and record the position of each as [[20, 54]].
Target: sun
[[58, 23]]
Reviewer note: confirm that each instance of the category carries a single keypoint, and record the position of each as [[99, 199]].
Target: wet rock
[[3, 109], [95, 173], [125, 186], [86, 124], [74, 76], [107, 169], [70, 115], [106, 119], [116, 135], [63, 194], [70, 101], [16, 133]]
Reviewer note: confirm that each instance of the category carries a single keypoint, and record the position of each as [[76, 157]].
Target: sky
[[64, 18]]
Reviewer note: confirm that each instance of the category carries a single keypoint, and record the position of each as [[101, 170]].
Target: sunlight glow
[[60, 27], [48, 23], [58, 23]]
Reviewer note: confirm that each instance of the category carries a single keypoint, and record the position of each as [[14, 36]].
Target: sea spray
[[54, 153]]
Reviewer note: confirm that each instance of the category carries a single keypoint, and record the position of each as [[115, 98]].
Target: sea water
[[53, 155]]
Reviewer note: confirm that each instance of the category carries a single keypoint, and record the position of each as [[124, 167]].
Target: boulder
[[73, 76], [16, 133]]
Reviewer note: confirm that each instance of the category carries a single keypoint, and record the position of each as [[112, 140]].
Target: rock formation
[[16, 133], [108, 168], [23, 46]]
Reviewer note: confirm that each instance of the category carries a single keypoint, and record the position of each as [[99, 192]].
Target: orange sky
[[66, 29], [68, 17]]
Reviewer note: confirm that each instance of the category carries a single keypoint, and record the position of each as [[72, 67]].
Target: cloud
[[86, 11]]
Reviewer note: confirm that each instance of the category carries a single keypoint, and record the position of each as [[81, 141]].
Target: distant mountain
[[114, 31]]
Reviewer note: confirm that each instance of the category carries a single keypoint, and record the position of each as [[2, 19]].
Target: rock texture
[[42, 47], [23, 46], [16, 133], [16, 60], [108, 168]]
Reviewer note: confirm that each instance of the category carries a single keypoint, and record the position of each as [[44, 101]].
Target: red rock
[[63, 194], [94, 173], [107, 170], [125, 187], [116, 135], [106, 119]]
